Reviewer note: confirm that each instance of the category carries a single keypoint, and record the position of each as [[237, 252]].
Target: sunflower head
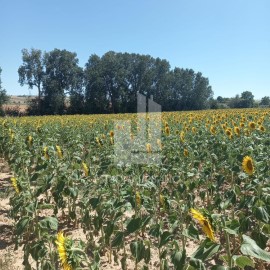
[[185, 152], [85, 169], [213, 130], [45, 152], [228, 132], [59, 151], [29, 140], [14, 183], [138, 199], [111, 140], [204, 222], [261, 128], [167, 130], [98, 141], [159, 143], [162, 201], [182, 136], [148, 148], [248, 165], [237, 130], [252, 125], [63, 246]]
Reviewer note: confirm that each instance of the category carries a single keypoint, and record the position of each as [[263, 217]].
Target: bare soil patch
[[13, 259]]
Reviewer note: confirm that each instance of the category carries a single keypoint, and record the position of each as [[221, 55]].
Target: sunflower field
[[204, 205]]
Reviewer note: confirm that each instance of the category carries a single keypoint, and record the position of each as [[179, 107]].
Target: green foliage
[[63, 76], [108, 84], [54, 192], [265, 101], [250, 248], [31, 72], [113, 81], [3, 94]]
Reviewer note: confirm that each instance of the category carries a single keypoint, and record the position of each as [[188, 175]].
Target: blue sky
[[228, 41]]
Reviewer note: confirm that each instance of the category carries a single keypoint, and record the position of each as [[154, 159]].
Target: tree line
[[245, 100], [108, 84], [3, 95]]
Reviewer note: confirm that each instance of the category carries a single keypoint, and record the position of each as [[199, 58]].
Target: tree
[[76, 96], [113, 81], [188, 90], [213, 104], [61, 77], [140, 78], [3, 94], [31, 72], [265, 101], [247, 100], [201, 93], [220, 99], [235, 102], [95, 93]]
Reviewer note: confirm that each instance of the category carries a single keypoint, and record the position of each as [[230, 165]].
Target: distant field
[[19, 102]]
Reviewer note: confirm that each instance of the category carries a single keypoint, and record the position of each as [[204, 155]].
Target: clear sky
[[227, 40]]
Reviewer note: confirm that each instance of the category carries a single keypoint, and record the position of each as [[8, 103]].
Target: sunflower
[[159, 143], [229, 133], [12, 136], [29, 140], [213, 130], [252, 125], [59, 151], [138, 199], [61, 243], [148, 148], [206, 226], [237, 131], [111, 133], [167, 130], [45, 151], [98, 141], [85, 169], [185, 152], [15, 184], [248, 165], [182, 136], [162, 201], [261, 128]]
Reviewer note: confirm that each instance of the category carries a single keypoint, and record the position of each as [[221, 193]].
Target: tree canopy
[[108, 84], [3, 94], [265, 101]]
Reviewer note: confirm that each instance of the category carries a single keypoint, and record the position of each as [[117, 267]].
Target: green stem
[[228, 251]]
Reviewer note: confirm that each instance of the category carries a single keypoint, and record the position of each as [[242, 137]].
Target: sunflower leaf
[[206, 250], [250, 248]]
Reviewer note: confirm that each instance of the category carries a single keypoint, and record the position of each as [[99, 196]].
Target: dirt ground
[[9, 259], [13, 259]]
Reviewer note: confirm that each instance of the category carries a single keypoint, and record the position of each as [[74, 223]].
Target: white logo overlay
[[141, 143]]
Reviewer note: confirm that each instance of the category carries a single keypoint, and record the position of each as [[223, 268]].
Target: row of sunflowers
[[176, 190]]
